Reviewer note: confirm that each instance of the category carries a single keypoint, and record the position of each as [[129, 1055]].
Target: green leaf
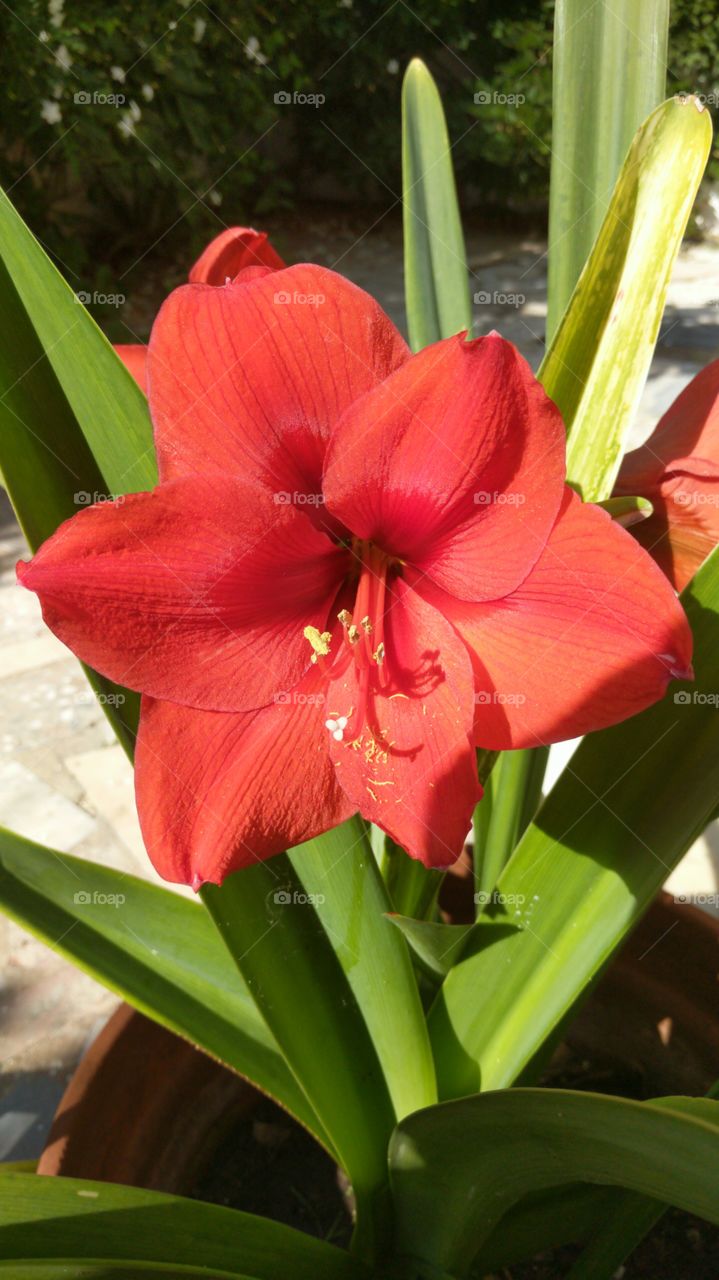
[[57, 1218], [73, 423], [340, 874], [438, 947], [435, 266], [301, 985], [78, 1269], [621, 1229], [627, 511], [599, 849], [109, 409], [155, 949], [457, 1168], [596, 48], [596, 366]]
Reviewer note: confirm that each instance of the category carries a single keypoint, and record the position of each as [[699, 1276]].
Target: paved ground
[[64, 781]]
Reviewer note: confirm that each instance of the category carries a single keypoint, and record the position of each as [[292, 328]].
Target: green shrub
[[199, 141]]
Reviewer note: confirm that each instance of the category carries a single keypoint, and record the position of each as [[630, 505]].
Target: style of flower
[[359, 566]]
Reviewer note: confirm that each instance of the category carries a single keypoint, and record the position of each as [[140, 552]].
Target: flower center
[[363, 632]]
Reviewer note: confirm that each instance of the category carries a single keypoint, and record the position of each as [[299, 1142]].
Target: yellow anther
[[345, 617], [378, 655], [320, 641], [366, 626], [353, 634]]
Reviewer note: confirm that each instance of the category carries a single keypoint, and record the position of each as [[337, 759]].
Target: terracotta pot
[[146, 1108]]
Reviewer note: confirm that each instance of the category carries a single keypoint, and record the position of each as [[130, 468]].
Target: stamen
[[366, 626], [320, 641]]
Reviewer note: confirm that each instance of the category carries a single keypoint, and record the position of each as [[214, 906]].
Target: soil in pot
[[269, 1165]]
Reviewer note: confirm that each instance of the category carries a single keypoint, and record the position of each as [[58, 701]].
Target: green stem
[[412, 887], [511, 793], [281, 949]]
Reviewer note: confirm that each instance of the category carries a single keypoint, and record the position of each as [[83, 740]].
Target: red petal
[[591, 637], [411, 767], [197, 592], [232, 251], [134, 358], [688, 431], [678, 469], [218, 792], [456, 464], [684, 526], [251, 379]]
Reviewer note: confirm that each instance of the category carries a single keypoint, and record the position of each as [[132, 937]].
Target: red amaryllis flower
[[234, 250], [678, 470], [359, 564]]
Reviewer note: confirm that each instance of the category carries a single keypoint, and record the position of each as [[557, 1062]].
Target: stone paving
[[63, 779]]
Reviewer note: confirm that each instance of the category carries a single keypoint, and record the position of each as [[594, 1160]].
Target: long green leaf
[[457, 1168], [435, 270], [600, 847], [74, 425], [596, 366], [154, 948], [109, 409], [45, 1219], [596, 48], [276, 937], [621, 1229], [341, 876]]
